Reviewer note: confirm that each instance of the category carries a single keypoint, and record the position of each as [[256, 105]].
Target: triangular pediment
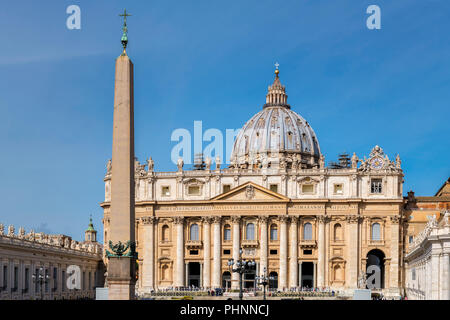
[[250, 192]]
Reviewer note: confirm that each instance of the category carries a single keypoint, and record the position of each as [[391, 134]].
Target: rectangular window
[[46, 282], [194, 190], [376, 186], [84, 281], [274, 187], [226, 188], [63, 280], [5, 277], [165, 191], [26, 285], [338, 189], [226, 252], [90, 280], [274, 252], [307, 188], [227, 234], [307, 252], [411, 238], [37, 287], [55, 279], [16, 278], [193, 252]]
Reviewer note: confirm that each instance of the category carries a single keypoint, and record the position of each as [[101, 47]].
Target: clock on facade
[[376, 163]]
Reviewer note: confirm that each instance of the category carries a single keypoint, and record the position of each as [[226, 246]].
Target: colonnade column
[[446, 276], [293, 256], [207, 252], [282, 275], [264, 247], [179, 267], [236, 246], [148, 264], [217, 263], [321, 251]]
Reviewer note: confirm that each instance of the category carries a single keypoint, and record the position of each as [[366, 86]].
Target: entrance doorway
[[307, 280], [248, 278], [273, 281], [226, 281], [375, 269], [194, 274]]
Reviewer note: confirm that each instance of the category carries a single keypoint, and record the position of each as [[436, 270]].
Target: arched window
[[273, 232], [194, 232], [165, 233], [227, 232], [307, 231], [337, 232], [250, 231], [376, 231]]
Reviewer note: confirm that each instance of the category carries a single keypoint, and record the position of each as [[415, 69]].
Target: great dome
[[276, 136]]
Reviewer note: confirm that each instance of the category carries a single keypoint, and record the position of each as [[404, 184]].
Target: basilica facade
[[303, 223]]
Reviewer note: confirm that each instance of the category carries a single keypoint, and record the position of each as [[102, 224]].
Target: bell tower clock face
[[376, 163]]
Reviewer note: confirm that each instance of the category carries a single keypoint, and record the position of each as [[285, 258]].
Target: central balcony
[[250, 243], [194, 244], [307, 243]]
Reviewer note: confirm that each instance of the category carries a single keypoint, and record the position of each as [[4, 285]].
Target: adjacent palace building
[[304, 224]]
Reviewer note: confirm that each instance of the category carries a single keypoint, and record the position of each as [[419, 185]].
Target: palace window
[[194, 232], [376, 186], [338, 188], [194, 190], [46, 283], [307, 252], [226, 252], [165, 233], [307, 231], [227, 232], [307, 188], [63, 280], [273, 232], [273, 252], [226, 188], [193, 252], [274, 188], [37, 287], [250, 231], [165, 272], [376, 231], [165, 191], [337, 232], [411, 238]]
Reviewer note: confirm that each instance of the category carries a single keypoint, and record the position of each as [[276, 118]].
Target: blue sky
[[211, 61]]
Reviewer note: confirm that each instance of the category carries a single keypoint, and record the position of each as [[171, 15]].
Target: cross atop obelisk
[[125, 29]]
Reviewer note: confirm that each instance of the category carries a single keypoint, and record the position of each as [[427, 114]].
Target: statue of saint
[[180, 164], [150, 164]]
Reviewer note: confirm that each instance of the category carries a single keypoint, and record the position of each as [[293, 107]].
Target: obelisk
[[122, 267]]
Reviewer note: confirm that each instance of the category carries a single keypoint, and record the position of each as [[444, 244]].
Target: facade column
[[179, 267], [352, 267], [207, 251], [321, 251], [394, 272], [282, 275], [446, 276], [293, 257], [236, 220], [264, 246], [148, 264], [300, 274], [186, 274], [217, 261], [435, 281]]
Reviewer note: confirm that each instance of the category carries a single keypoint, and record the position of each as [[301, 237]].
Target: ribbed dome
[[277, 134]]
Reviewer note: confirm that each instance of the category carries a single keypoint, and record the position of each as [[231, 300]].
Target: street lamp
[[264, 280], [242, 266], [41, 278]]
